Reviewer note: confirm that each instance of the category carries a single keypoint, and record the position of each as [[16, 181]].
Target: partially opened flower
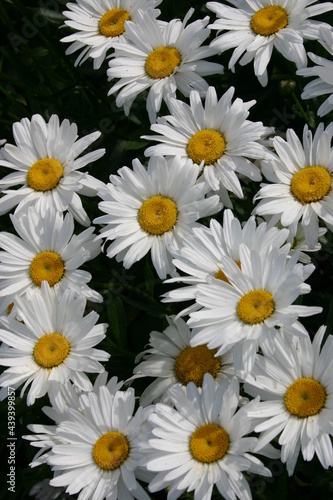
[[153, 210], [302, 181], [203, 442], [247, 312], [100, 25], [47, 164], [161, 58], [53, 342], [254, 27], [46, 250], [216, 136], [171, 360], [295, 388]]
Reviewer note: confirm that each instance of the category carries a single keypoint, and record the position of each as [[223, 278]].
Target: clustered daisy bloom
[[47, 164], [53, 341], [295, 388], [301, 176], [254, 27], [154, 210], [162, 58], [217, 136], [100, 26]]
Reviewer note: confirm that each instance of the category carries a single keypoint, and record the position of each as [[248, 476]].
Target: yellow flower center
[[158, 214], [112, 23], [269, 20], [207, 145], [311, 184], [255, 306], [305, 397], [46, 266], [209, 443], [9, 308], [111, 450], [193, 362], [45, 174], [51, 350], [221, 276], [162, 62]]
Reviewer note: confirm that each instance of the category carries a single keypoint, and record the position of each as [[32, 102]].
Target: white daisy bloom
[[202, 442], [254, 27], [100, 26], [161, 58], [246, 313], [62, 398], [100, 456], [302, 177], [46, 249], [217, 137], [201, 255], [153, 209], [172, 360], [54, 342], [321, 85], [47, 160], [295, 387]]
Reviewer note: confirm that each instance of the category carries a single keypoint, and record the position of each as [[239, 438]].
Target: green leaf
[[117, 321]]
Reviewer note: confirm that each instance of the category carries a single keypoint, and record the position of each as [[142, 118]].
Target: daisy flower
[[247, 312], [100, 455], [100, 26], [54, 342], [217, 137], [254, 27], [153, 209], [45, 250], [202, 442], [161, 58], [201, 255], [297, 398], [172, 360], [302, 177], [47, 160]]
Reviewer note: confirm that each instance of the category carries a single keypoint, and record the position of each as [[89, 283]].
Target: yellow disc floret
[[112, 23], [269, 20], [255, 306], [305, 397], [311, 184], [158, 214], [193, 362], [47, 266], [209, 443], [51, 350], [162, 62], [111, 450], [206, 145], [45, 174]]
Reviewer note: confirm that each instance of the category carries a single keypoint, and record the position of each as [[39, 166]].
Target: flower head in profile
[[47, 164], [161, 57], [45, 249], [99, 26], [323, 71], [203, 442], [216, 136], [53, 342], [171, 359], [153, 210], [301, 174], [254, 27], [247, 311], [99, 456], [295, 389]]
